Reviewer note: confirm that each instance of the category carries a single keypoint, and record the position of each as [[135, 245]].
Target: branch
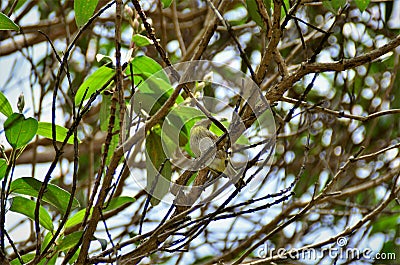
[[277, 91]]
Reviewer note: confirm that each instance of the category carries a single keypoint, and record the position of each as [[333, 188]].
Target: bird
[[201, 140]]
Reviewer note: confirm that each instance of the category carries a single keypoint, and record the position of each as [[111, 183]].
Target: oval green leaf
[[154, 86], [104, 113], [5, 106], [114, 204], [20, 131], [76, 218], [144, 64], [157, 182], [53, 195], [84, 9], [69, 241], [27, 207], [118, 202], [45, 130], [46, 240], [3, 168], [152, 94], [95, 81], [29, 257], [7, 24], [141, 40], [25, 258]]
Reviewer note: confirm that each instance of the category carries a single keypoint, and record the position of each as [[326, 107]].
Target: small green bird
[[201, 140]]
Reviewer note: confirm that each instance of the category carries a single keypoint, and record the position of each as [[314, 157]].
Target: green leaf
[[105, 60], [27, 207], [45, 130], [5, 106], [53, 194], [114, 204], [254, 14], [157, 182], [76, 218], [362, 4], [84, 9], [19, 4], [334, 5], [20, 131], [144, 64], [118, 202], [69, 241], [104, 114], [152, 94], [386, 223], [29, 257], [46, 240], [3, 168], [74, 257], [7, 24], [166, 3], [287, 5], [154, 86], [94, 82], [25, 258], [141, 40], [51, 261]]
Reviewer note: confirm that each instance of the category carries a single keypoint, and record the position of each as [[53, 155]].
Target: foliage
[[7, 24]]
